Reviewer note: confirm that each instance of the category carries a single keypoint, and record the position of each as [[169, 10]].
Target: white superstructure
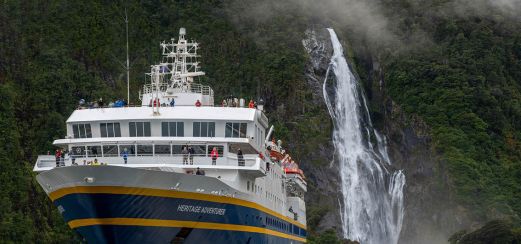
[[154, 135]]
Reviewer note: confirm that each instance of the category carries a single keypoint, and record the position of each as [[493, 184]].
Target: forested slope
[[55, 53], [453, 64]]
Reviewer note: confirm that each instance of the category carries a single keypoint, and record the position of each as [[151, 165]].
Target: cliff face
[[431, 214], [322, 198]]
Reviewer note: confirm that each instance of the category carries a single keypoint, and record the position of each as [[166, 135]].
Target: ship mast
[[172, 80], [180, 61]]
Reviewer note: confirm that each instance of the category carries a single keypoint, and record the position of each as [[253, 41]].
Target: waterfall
[[372, 193]]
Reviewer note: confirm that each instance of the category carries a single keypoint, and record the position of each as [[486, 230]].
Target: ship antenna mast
[[128, 62]]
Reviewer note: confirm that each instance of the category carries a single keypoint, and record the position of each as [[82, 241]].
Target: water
[[372, 194]]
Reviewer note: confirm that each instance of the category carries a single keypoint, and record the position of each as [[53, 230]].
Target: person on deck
[[198, 103], [58, 156], [214, 154], [251, 104], [185, 155], [198, 171], [240, 157], [224, 103], [62, 158], [191, 153], [172, 102], [124, 154]]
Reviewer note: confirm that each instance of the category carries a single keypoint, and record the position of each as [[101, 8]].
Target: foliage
[[327, 237], [497, 231], [57, 52], [466, 86]]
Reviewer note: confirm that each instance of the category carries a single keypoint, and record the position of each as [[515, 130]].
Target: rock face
[[431, 215], [324, 181]]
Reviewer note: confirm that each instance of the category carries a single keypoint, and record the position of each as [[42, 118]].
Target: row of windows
[[139, 129], [110, 130], [236, 130], [278, 224], [173, 129], [82, 131], [142, 150], [168, 129]]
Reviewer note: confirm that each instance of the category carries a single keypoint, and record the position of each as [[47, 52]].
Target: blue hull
[[138, 234], [138, 215]]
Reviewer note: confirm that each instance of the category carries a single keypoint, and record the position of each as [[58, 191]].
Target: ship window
[[172, 129], [78, 151], [94, 151], [236, 130], [204, 129], [139, 129], [162, 150], [248, 185], [218, 147], [131, 149], [82, 131], [110, 150], [144, 150], [110, 130], [200, 150], [177, 149]]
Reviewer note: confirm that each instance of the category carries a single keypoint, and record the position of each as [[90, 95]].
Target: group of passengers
[[95, 162], [238, 103], [60, 157], [188, 154], [170, 102], [100, 104]]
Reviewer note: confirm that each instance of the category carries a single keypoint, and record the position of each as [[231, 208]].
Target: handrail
[[49, 161]]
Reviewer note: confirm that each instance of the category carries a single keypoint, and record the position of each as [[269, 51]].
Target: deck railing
[[49, 161]]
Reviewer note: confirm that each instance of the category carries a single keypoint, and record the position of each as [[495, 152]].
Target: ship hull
[[150, 206]]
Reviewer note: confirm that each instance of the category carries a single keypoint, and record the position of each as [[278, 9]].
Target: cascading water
[[372, 205]]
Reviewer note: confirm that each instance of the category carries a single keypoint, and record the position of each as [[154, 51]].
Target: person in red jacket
[[251, 104], [58, 156], [214, 154], [198, 103]]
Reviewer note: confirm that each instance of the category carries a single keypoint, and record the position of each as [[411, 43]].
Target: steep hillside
[[443, 78]]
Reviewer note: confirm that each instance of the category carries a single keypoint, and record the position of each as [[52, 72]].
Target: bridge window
[[144, 150], [110, 130], [82, 131], [139, 129], [236, 130], [94, 151], [78, 151], [110, 151], [204, 129], [162, 150], [220, 150], [172, 129], [131, 149]]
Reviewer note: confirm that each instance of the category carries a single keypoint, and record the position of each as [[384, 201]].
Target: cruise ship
[[179, 168]]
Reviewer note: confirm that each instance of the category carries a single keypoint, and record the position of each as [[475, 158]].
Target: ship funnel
[[182, 31]]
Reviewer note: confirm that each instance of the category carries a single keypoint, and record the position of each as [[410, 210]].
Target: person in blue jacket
[[124, 154]]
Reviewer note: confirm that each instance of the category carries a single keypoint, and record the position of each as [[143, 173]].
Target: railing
[[49, 161], [194, 88]]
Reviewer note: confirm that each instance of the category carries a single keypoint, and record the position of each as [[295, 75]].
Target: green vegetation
[[497, 231], [466, 85], [55, 53]]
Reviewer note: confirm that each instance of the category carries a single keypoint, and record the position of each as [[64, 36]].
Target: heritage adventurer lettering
[[201, 209]]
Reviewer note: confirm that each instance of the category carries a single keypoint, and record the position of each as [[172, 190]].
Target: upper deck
[[159, 138]]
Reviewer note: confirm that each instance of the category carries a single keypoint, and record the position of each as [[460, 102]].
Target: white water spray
[[372, 204]]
